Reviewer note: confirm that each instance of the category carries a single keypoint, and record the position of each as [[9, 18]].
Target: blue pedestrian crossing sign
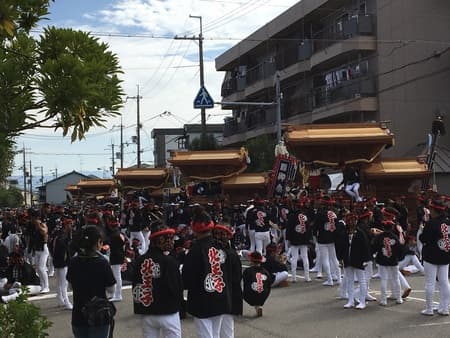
[[203, 99]]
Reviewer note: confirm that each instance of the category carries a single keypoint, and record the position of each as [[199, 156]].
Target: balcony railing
[[297, 105], [325, 95], [355, 25], [260, 72], [254, 119]]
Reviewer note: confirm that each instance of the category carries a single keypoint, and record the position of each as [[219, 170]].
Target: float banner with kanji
[[284, 171]]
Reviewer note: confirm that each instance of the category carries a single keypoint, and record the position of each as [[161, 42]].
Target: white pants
[[140, 236], [208, 327], [164, 326], [389, 273], [441, 272], [32, 289], [280, 277], [294, 259], [262, 239], [353, 191], [118, 276], [275, 236], [329, 261], [403, 281], [419, 243], [146, 235], [227, 327], [61, 286], [317, 261], [251, 236], [41, 266], [286, 242], [51, 267], [350, 274], [410, 259]]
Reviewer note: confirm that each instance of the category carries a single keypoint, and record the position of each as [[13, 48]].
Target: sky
[[166, 70]]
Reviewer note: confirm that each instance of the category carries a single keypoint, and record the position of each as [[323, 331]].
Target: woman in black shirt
[[90, 275]]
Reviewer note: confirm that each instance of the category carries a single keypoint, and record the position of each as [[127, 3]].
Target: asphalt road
[[298, 310]]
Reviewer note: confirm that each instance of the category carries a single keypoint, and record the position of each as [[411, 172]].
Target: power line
[[240, 14], [241, 3], [245, 39]]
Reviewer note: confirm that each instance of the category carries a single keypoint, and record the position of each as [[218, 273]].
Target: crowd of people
[[164, 249]]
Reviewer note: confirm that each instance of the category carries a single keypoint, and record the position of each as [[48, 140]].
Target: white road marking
[[53, 295]]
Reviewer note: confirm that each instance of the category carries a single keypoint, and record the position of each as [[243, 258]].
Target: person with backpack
[[90, 276]]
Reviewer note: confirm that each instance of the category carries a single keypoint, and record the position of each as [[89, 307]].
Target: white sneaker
[[370, 298], [349, 305], [68, 306], [361, 306], [45, 290], [307, 279], [116, 299], [16, 285], [377, 275], [427, 312], [328, 283]]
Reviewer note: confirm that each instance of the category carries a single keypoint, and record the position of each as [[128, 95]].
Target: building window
[[182, 142]]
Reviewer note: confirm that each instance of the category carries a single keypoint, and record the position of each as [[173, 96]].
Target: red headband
[[365, 214], [202, 227], [92, 220], [437, 206], [224, 228], [387, 213], [168, 231], [389, 222]]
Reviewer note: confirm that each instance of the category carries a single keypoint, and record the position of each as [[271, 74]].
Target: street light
[[42, 174]]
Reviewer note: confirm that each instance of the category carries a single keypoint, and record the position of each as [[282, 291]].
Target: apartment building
[[343, 61], [167, 139]]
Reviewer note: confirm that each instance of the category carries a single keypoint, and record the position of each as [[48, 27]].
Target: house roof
[[141, 173], [396, 168], [72, 188], [210, 164], [70, 173], [88, 183], [245, 180], [330, 144]]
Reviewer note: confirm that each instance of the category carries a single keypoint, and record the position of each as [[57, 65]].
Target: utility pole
[[138, 128], [112, 159], [121, 143], [202, 76], [24, 176], [31, 185], [278, 105]]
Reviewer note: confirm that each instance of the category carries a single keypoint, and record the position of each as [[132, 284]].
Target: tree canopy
[[63, 79]]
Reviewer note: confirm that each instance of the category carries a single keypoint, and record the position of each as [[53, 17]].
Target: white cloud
[[152, 62]]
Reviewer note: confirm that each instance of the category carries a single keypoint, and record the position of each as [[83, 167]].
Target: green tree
[[261, 150], [63, 79], [20, 318], [207, 142], [11, 198]]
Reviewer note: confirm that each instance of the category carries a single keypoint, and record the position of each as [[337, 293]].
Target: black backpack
[[99, 312]]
